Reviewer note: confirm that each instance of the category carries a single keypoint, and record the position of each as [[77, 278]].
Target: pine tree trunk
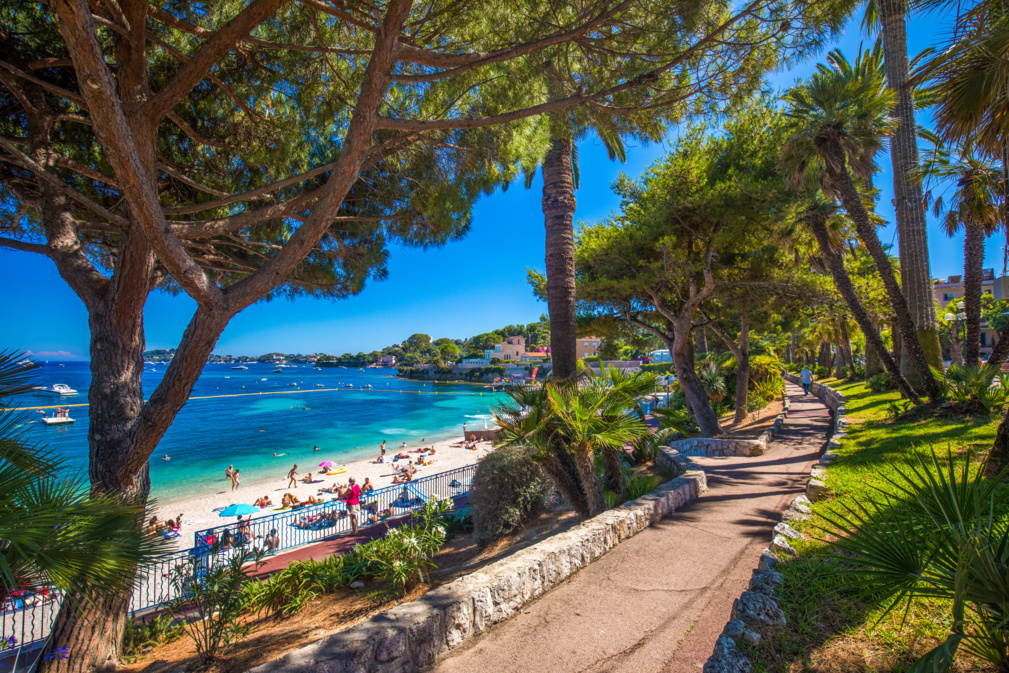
[[912, 232], [998, 457], [866, 229], [681, 350], [701, 340], [843, 284], [973, 261], [558, 212]]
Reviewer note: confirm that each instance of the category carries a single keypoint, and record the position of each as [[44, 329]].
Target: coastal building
[[660, 356], [952, 289], [386, 361], [530, 356], [588, 347], [512, 348]]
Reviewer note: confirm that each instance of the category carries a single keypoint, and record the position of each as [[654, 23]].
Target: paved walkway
[[658, 601]]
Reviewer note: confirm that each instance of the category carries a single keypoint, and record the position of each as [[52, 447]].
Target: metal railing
[[27, 618], [312, 523]]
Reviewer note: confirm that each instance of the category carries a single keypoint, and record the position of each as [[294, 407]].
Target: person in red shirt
[[353, 503]]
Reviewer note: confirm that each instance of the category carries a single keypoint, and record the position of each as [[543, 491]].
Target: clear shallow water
[[210, 434]]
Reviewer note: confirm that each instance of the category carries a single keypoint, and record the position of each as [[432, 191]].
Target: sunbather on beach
[[272, 542], [289, 500], [312, 500], [307, 478], [264, 501]]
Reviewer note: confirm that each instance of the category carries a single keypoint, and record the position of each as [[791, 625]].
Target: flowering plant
[[406, 553]]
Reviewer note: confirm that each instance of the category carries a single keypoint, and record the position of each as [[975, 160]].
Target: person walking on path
[[353, 503], [228, 472], [292, 477], [235, 481], [807, 379]]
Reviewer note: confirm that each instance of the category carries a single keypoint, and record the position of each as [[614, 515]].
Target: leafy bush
[[640, 484], [509, 489], [856, 373], [764, 367], [974, 388], [293, 587], [880, 382], [841, 372], [138, 634], [659, 368], [937, 531], [713, 381], [407, 552], [458, 522], [769, 389], [210, 598], [821, 372]]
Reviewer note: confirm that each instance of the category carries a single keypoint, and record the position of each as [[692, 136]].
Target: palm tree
[[912, 231], [817, 217], [74, 540], [836, 122], [567, 424], [630, 388], [975, 205]]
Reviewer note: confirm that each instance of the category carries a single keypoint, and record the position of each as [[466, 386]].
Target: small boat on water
[[320, 385], [61, 417], [278, 371], [348, 385], [293, 384], [240, 367], [366, 385], [55, 389]]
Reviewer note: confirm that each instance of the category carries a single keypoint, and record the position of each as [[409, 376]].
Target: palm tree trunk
[[586, 464], [843, 284], [852, 201], [998, 457], [912, 232], [613, 469], [558, 213], [973, 261], [562, 469]]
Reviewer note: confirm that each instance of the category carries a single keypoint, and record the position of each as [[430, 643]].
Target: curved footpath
[[659, 601]]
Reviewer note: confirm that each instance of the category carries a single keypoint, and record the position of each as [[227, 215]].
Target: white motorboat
[[55, 389], [349, 385], [366, 385], [240, 367], [61, 417]]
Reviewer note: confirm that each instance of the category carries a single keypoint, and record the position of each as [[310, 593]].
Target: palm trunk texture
[[973, 261], [852, 202], [558, 213], [843, 284], [912, 232]]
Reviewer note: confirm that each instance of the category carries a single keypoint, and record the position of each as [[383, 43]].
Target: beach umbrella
[[238, 510], [327, 463]]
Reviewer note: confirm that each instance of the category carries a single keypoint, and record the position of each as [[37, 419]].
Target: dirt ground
[[755, 424], [271, 637]]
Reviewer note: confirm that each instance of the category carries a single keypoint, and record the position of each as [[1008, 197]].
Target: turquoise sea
[[209, 434]]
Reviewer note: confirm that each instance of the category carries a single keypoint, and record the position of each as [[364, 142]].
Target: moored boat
[[55, 389], [61, 417]]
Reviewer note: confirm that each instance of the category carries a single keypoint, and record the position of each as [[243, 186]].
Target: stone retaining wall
[[414, 635], [716, 447]]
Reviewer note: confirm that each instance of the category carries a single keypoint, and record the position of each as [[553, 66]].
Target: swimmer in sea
[[166, 457], [278, 455]]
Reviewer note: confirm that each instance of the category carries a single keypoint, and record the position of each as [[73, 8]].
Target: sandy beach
[[198, 512]]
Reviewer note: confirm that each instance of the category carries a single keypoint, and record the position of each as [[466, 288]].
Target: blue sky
[[467, 287]]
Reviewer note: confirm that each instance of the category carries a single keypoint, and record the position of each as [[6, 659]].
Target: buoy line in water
[[272, 392]]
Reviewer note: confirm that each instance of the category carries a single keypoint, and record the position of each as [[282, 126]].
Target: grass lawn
[[832, 625]]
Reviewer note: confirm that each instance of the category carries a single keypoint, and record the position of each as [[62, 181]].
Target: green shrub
[[973, 388], [659, 368], [457, 523], [138, 634], [841, 372], [407, 552], [509, 489], [880, 382], [939, 530], [770, 388], [857, 373], [210, 598], [821, 372]]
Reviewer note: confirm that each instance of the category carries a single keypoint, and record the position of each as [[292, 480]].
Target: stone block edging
[[717, 447], [414, 635], [757, 607]]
